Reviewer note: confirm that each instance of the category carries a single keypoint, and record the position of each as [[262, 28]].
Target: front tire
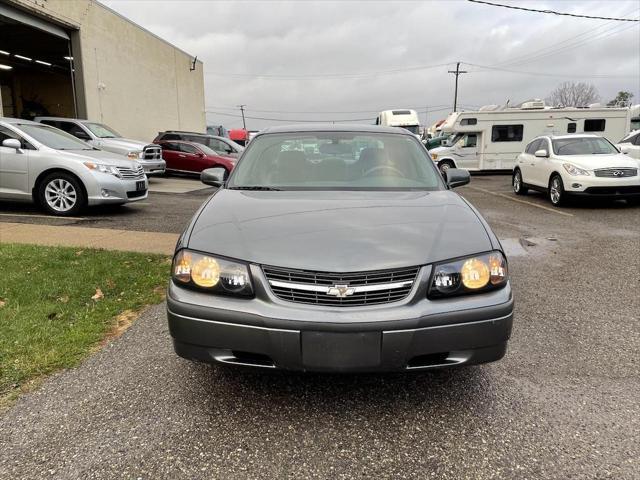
[[518, 184], [556, 191], [61, 194], [445, 165]]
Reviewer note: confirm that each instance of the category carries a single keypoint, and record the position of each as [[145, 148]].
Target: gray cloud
[[306, 38]]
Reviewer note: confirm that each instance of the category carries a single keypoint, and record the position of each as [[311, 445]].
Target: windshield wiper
[[254, 187]]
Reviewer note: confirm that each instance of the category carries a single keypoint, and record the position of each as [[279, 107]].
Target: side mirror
[[456, 177], [200, 155], [542, 153], [12, 143], [213, 176], [81, 135]]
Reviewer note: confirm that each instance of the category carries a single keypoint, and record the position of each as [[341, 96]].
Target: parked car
[[107, 139], [630, 144], [191, 157], [438, 141], [572, 165], [221, 145], [62, 174], [370, 263]]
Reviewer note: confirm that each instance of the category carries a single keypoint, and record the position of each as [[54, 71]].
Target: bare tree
[[573, 94]]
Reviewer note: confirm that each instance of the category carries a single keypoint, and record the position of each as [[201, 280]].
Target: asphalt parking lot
[[564, 403]]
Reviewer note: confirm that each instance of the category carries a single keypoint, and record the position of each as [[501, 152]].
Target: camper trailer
[[407, 119], [492, 137]]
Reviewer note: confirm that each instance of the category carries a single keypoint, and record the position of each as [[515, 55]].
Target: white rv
[[407, 119], [492, 138]]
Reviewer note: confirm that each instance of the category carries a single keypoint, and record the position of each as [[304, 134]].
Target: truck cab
[[407, 119]]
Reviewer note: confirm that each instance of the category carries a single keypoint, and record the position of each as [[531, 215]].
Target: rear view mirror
[[12, 143], [213, 176], [456, 177], [541, 153]]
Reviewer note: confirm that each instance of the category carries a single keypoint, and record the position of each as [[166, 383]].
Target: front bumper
[[413, 334], [109, 189], [601, 186], [153, 167]]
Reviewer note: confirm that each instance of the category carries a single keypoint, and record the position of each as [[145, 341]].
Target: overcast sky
[[297, 60]]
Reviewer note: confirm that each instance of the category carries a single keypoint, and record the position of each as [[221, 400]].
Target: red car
[[191, 157]]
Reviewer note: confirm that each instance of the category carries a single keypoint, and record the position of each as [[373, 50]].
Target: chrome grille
[[130, 173], [341, 289], [616, 172], [152, 152]]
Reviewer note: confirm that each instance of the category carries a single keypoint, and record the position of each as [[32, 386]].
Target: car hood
[[338, 231], [99, 156], [122, 144], [591, 162]]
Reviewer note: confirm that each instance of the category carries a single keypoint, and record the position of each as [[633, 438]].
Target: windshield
[[207, 150], [415, 129], [583, 146], [335, 161], [102, 131], [54, 138]]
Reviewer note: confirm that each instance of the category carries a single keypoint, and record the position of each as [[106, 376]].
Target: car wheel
[[556, 191], [61, 194], [518, 185], [445, 165]]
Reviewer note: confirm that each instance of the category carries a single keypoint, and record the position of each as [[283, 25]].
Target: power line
[[554, 75], [323, 112], [327, 75], [553, 12]]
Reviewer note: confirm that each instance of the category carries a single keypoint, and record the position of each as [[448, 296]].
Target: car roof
[[16, 121], [65, 119], [178, 132], [330, 127], [572, 135]]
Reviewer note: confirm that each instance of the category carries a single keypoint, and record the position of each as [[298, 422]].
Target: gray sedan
[[61, 173], [339, 249]]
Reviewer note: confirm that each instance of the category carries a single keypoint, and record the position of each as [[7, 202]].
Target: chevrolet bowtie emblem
[[341, 291]]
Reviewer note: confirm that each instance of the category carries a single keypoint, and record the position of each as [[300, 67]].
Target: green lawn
[[48, 318]]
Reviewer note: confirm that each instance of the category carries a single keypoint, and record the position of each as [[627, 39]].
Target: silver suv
[[61, 173], [106, 138]]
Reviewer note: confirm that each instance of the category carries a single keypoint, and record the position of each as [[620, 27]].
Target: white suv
[[571, 165], [631, 144]]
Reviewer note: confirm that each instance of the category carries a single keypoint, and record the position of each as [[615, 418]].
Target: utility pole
[[456, 72], [244, 124]]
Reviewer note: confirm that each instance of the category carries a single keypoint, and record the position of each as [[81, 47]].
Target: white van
[[492, 138], [407, 119]]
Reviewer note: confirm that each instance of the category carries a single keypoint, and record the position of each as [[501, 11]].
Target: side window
[[531, 148], [469, 121], [470, 140], [169, 146], [187, 148], [5, 134], [170, 136], [637, 140], [51, 123], [571, 127], [506, 133], [594, 125], [66, 126], [543, 144]]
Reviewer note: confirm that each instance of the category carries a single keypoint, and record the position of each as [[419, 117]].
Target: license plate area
[[140, 186], [338, 351]]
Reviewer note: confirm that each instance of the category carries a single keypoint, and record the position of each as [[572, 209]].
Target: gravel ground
[[563, 404]]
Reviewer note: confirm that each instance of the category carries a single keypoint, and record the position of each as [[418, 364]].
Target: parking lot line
[[30, 215], [548, 209]]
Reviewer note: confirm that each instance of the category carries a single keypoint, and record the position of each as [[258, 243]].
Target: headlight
[[211, 273], [573, 170], [134, 155], [434, 156], [111, 169], [479, 273]]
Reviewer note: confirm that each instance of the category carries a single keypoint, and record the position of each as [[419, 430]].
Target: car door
[[526, 159], [467, 151], [14, 167], [170, 154], [189, 158], [541, 166]]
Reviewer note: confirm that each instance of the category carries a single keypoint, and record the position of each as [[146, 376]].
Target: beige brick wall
[[133, 81]]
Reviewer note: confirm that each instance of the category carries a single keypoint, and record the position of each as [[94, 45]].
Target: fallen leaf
[[98, 295], [110, 283], [63, 299], [79, 252], [2, 302]]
